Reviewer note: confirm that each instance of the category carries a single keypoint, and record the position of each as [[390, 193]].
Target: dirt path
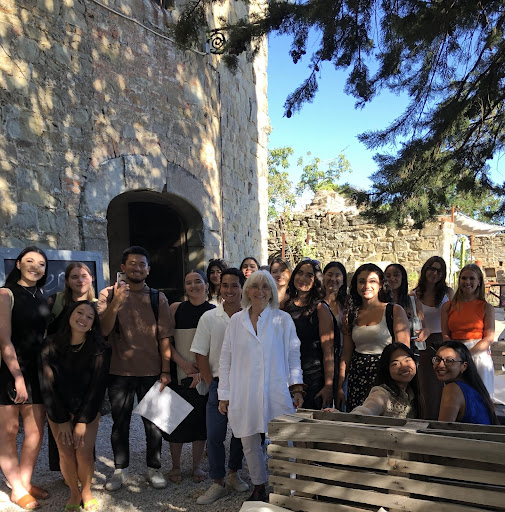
[[136, 494]]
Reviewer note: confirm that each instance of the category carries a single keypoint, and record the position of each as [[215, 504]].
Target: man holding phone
[[139, 336]]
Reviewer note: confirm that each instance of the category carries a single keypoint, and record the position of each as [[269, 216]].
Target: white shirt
[[209, 336], [256, 370]]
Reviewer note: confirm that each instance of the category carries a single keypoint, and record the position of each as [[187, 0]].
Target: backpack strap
[[389, 319], [155, 302]]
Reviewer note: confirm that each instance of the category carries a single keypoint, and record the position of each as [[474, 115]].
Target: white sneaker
[[236, 483], [156, 479], [213, 493], [116, 480]]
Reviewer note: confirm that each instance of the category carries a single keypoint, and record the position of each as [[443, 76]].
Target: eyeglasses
[[448, 361], [434, 269]]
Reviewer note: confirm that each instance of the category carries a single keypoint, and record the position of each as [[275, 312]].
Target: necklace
[[27, 289], [77, 348]]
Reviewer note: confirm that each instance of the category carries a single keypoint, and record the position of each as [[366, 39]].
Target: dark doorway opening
[[169, 227], [159, 229]]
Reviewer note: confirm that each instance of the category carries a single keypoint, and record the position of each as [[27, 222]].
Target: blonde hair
[[481, 291], [258, 278]]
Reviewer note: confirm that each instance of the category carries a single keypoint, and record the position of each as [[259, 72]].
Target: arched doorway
[[167, 226]]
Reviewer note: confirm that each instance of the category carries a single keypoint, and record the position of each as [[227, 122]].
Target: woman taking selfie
[[23, 320], [74, 367]]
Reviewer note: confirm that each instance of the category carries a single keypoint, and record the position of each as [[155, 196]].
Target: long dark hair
[[354, 301], [15, 274], [221, 264], [441, 287], [471, 375], [61, 338], [403, 293], [342, 291], [384, 375], [315, 293]]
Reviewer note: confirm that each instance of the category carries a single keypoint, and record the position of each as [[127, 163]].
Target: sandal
[[91, 505], [27, 502], [175, 476], [38, 493], [199, 475]]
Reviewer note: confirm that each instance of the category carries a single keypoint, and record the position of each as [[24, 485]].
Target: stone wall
[[337, 232], [490, 250], [94, 105]]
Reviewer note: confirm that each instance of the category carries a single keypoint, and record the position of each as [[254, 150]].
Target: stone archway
[[167, 226], [116, 183]]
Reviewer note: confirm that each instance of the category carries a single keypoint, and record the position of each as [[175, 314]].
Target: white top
[[383, 402], [433, 316], [209, 336], [371, 339], [256, 370]]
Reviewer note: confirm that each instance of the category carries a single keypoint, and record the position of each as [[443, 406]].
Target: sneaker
[[213, 493], [116, 480], [236, 483], [156, 479]]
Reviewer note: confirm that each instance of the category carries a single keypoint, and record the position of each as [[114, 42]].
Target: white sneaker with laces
[[213, 493], [236, 483], [116, 480], [156, 479]]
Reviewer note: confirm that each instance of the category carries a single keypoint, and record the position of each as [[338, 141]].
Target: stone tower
[[111, 136]]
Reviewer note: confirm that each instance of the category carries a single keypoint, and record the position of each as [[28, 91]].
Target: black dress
[[311, 352], [29, 318], [193, 427], [73, 381]]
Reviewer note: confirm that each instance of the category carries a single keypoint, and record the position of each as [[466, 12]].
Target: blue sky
[[330, 124]]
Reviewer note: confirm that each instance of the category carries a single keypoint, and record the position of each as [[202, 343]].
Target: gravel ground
[[136, 494]]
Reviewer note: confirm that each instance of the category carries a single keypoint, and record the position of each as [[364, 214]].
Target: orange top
[[466, 321]]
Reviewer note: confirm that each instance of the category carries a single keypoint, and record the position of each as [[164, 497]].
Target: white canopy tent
[[464, 225]]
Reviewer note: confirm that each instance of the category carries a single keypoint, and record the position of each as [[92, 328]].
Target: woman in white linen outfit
[[259, 371]]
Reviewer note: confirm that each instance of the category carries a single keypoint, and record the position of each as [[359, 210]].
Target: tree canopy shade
[[447, 55]]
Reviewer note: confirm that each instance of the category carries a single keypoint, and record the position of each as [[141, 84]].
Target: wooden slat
[[395, 483], [369, 497], [388, 439], [306, 505], [385, 464]]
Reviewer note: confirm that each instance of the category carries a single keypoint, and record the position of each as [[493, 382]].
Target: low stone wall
[[352, 240]]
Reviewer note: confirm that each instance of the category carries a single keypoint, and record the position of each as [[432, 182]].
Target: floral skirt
[[362, 374]]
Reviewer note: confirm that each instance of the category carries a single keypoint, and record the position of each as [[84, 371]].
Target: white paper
[[166, 410]]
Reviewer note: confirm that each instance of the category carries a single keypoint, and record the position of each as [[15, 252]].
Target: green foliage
[[447, 55], [316, 176], [280, 189]]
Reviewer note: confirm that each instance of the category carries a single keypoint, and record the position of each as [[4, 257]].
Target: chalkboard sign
[[58, 261]]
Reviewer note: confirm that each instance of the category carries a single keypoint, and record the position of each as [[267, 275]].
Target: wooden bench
[[348, 463]]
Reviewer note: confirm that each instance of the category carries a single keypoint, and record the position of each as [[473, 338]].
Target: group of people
[[246, 345]]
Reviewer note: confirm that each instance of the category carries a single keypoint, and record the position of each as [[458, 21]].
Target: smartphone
[[120, 278]]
